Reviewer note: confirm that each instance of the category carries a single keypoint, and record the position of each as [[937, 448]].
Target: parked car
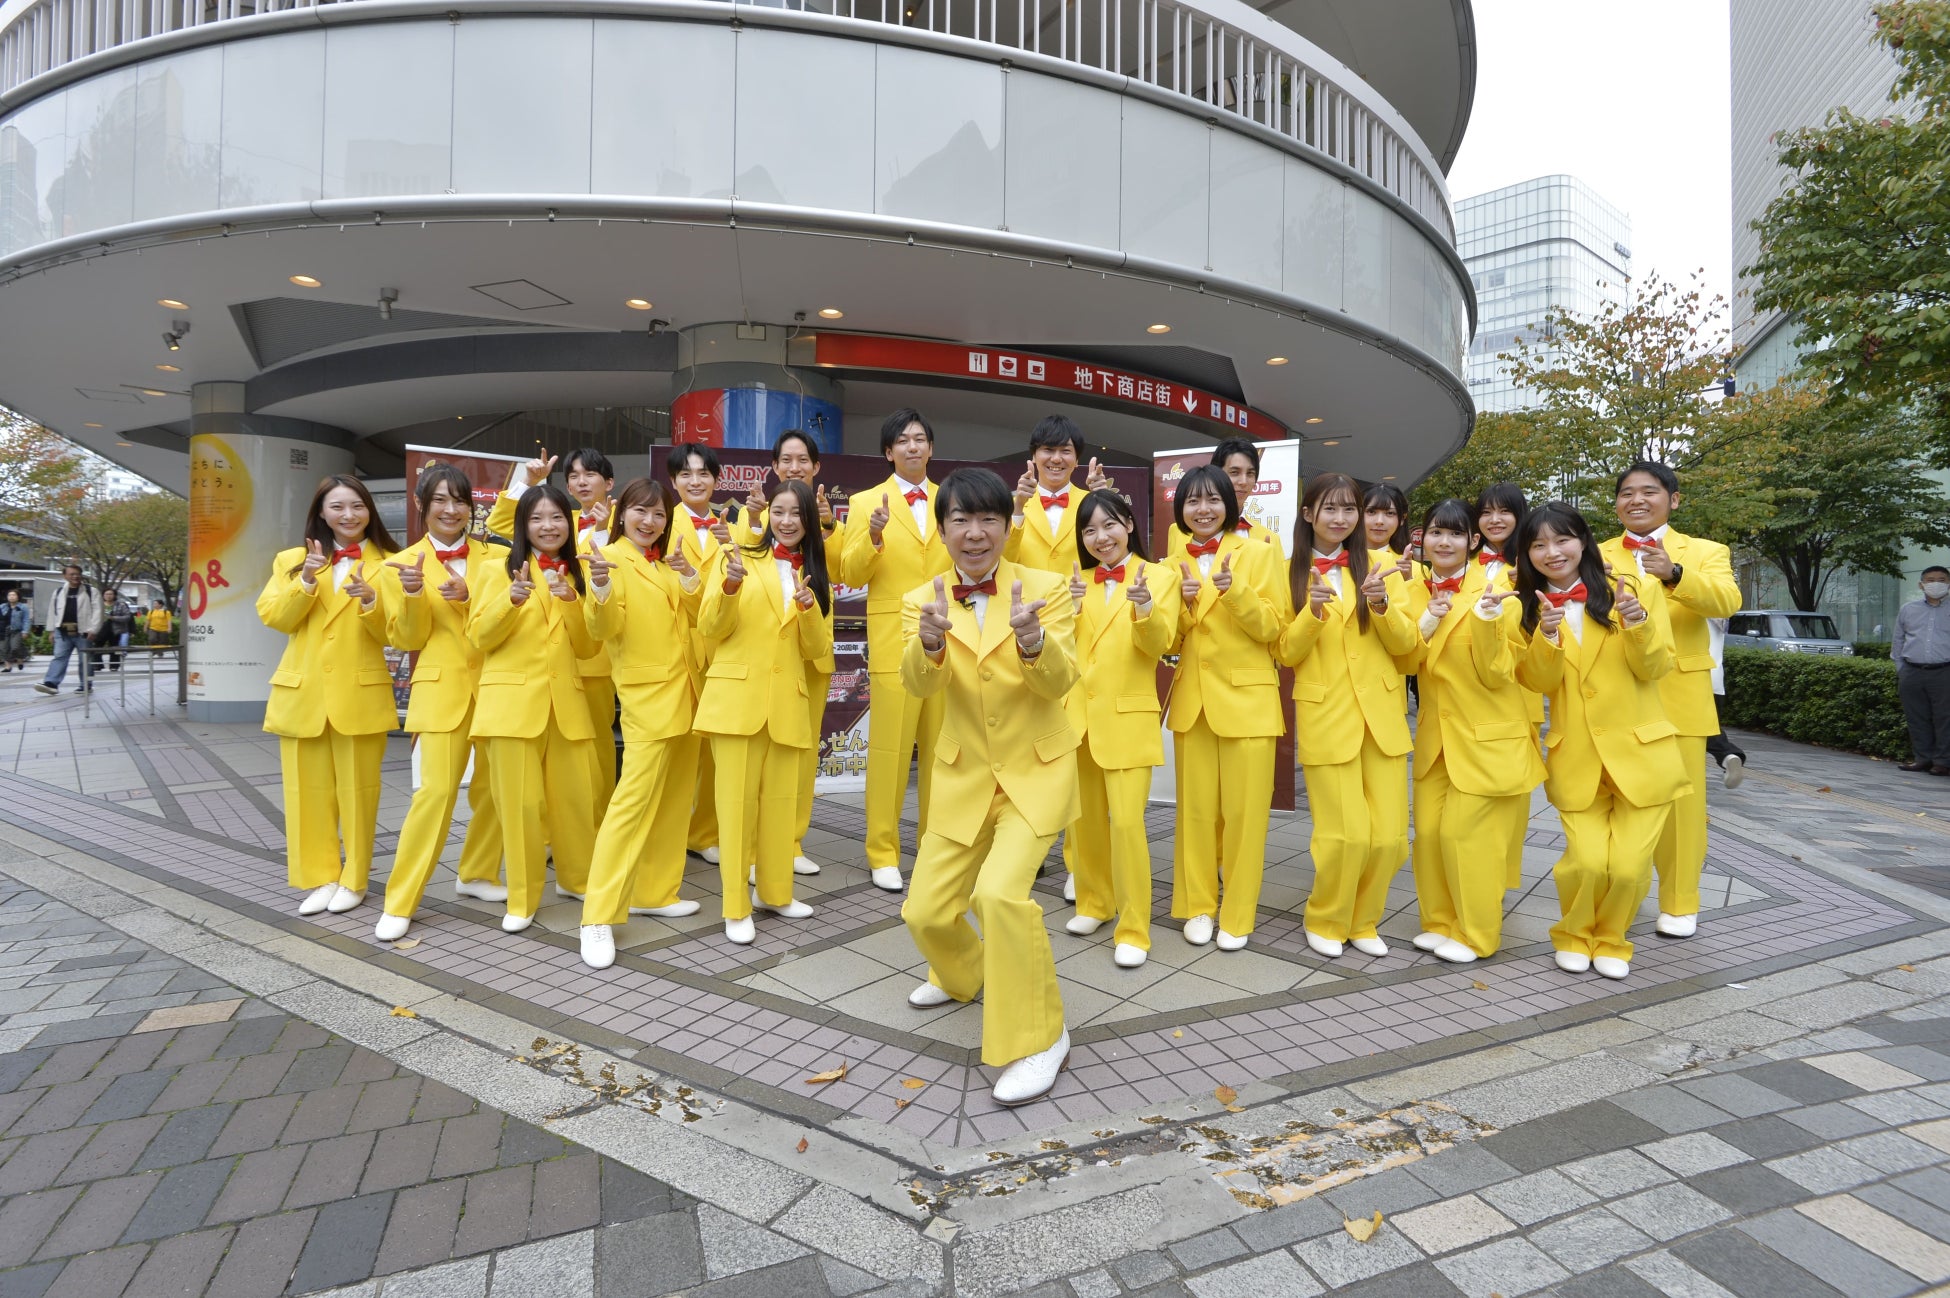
[[1788, 631]]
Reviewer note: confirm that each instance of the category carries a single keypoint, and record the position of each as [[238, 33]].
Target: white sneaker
[[1732, 771], [804, 865], [1427, 941], [515, 923], [1370, 946], [1454, 952], [566, 895], [741, 931], [1230, 942], [794, 909], [345, 899], [391, 928], [889, 878], [1326, 946], [318, 898], [480, 890], [1676, 925], [1031, 1078], [711, 854], [1573, 962], [1069, 887], [1198, 930], [1082, 925], [1130, 957], [598, 946], [1610, 966], [676, 910], [927, 997]]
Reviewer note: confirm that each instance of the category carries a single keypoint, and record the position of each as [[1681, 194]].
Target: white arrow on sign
[[1191, 403]]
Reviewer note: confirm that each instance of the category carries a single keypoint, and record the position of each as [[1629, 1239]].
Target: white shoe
[[480, 890], [804, 865], [927, 997], [318, 898], [345, 899], [711, 854], [565, 894], [1370, 946], [1732, 771], [391, 928], [1031, 1078], [1230, 942], [1573, 962], [1326, 946], [1130, 957], [741, 931], [1198, 930], [1069, 887], [1677, 925], [515, 923], [1082, 925], [598, 946], [794, 909], [676, 910], [1610, 966], [1427, 941], [1454, 952], [889, 878]]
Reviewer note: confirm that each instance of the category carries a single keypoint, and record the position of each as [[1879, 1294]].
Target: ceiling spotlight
[[91, 425], [172, 304], [307, 281], [170, 369], [173, 341], [1276, 360], [387, 296], [637, 303], [1157, 329], [830, 313]]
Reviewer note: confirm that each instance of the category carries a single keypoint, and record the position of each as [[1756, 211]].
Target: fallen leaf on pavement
[[406, 945], [1479, 984], [401, 1012], [1178, 1032], [1907, 968], [1824, 789], [802, 1144], [913, 1083], [1225, 1095], [901, 1104], [830, 1075], [1362, 1228]]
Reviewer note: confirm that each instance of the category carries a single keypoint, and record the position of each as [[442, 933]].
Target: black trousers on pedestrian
[[1718, 746], [1925, 692]]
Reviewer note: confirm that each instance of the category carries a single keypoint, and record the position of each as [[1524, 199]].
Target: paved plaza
[[202, 1093]]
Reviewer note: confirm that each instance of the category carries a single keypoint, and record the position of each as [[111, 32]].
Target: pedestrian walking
[[118, 621], [73, 615], [1920, 646], [16, 620]]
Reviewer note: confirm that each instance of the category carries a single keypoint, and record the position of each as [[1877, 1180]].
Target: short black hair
[[1232, 446], [1936, 567], [1661, 473], [435, 474], [895, 424], [795, 434], [1206, 477], [1058, 430], [1106, 502], [683, 453], [592, 461], [973, 491]]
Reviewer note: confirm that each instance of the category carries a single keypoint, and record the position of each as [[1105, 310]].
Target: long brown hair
[[1300, 568], [317, 529]]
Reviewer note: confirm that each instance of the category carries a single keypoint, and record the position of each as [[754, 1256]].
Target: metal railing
[[1219, 52]]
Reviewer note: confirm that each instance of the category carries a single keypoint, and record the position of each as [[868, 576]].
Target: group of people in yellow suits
[[1014, 639]]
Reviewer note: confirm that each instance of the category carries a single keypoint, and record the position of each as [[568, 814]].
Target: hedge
[[1872, 649], [1847, 703]]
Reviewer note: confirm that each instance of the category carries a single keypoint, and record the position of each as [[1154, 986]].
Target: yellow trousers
[[758, 795], [1681, 855], [702, 822], [1605, 872], [1360, 813], [661, 863], [1112, 855], [622, 869], [1225, 792], [331, 798], [443, 761], [817, 684], [1010, 958], [600, 693], [1461, 843], [896, 722], [532, 778]]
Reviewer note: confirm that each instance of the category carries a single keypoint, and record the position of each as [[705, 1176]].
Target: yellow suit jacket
[[1706, 589], [1225, 670], [647, 622], [1474, 715], [448, 669], [903, 562], [531, 652], [751, 526], [1033, 545], [1606, 714], [334, 666], [501, 522], [1004, 725], [762, 642], [1347, 682], [1115, 704]]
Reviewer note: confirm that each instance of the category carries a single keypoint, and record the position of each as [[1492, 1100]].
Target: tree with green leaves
[[41, 473]]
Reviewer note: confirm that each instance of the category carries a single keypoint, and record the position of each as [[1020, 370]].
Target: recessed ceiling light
[[153, 392], [91, 425], [637, 303], [306, 281], [1276, 360], [1387, 477], [125, 443], [1157, 329], [831, 313], [170, 369], [172, 304], [1331, 442], [1313, 419]]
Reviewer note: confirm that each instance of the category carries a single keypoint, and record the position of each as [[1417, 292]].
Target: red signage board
[[1010, 369]]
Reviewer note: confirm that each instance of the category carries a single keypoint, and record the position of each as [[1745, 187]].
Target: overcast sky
[[1631, 99]]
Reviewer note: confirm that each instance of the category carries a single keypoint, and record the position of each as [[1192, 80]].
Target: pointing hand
[[934, 620], [412, 578]]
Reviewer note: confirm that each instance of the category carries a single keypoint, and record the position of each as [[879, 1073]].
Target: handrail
[[1219, 52]]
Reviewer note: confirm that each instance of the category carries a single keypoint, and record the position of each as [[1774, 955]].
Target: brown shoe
[[1940, 770], [1913, 766]]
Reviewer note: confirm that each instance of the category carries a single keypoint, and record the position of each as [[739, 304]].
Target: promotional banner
[[488, 475], [753, 418]]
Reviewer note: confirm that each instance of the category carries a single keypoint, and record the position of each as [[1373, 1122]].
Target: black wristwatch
[[1672, 579]]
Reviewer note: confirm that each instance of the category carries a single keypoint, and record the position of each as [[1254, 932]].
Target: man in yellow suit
[[892, 550], [996, 643], [1698, 582]]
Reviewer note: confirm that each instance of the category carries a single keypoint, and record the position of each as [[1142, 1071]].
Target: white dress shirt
[[1333, 574], [921, 509], [1656, 534], [788, 579], [1573, 615], [978, 602]]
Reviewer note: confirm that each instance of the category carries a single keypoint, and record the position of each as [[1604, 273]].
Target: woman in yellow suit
[[331, 699], [1500, 507], [426, 598], [1475, 758], [528, 623], [1126, 619], [1225, 714], [643, 605], [1614, 767], [1349, 645], [765, 626]]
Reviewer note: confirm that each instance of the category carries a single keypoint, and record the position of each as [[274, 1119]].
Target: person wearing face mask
[[1238, 459], [1920, 645], [702, 533], [425, 593], [1696, 577]]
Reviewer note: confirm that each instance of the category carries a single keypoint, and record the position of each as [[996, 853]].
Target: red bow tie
[[654, 553], [1244, 526], [918, 494], [348, 552], [1197, 548], [551, 564], [1109, 574], [1488, 557], [791, 556], [588, 521], [979, 588], [1633, 543], [1323, 566], [1559, 598], [1061, 498], [448, 556], [1450, 584]]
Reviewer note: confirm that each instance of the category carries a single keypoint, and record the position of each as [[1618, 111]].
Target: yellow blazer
[[448, 669], [1115, 706], [501, 522], [1004, 725], [1175, 539], [1034, 546], [530, 655], [1225, 669], [334, 666], [1474, 715], [647, 623], [1706, 589], [903, 562], [751, 526], [1606, 714], [762, 642], [1347, 682]]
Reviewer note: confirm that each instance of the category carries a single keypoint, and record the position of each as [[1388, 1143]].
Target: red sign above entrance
[[1004, 367]]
